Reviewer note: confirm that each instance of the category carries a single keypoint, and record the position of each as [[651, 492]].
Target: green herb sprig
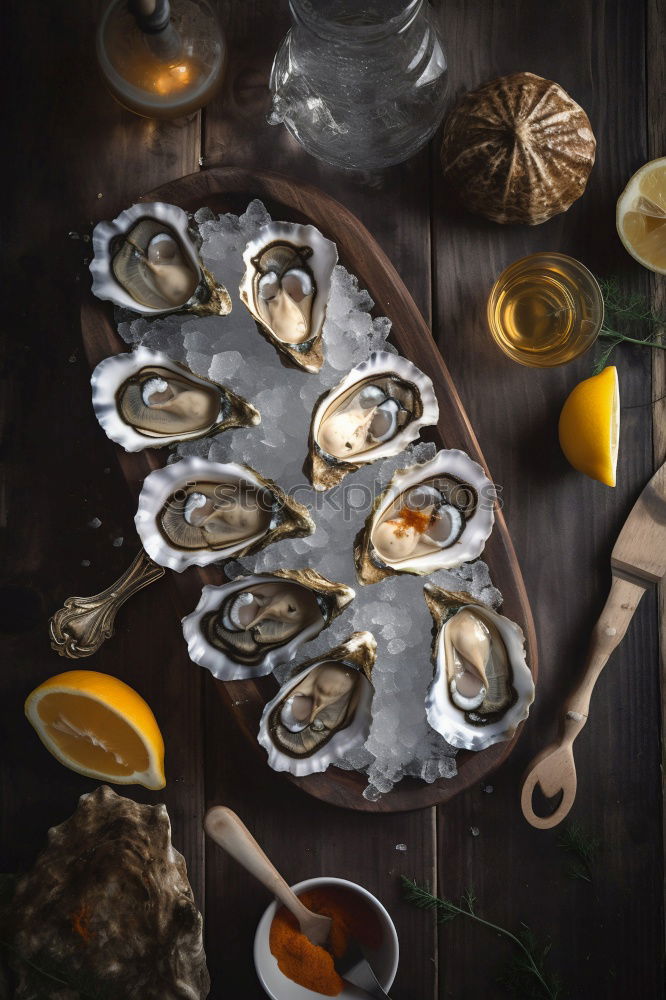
[[526, 976], [582, 849], [623, 309]]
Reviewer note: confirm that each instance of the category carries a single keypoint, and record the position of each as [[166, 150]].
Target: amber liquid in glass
[[545, 310]]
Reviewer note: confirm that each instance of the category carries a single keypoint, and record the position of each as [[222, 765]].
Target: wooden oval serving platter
[[230, 189]]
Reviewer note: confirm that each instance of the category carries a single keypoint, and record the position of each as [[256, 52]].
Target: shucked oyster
[[247, 627], [431, 516], [195, 512], [323, 711], [286, 286], [148, 260], [375, 411], [482, 688], [108, 911], [145, 400]]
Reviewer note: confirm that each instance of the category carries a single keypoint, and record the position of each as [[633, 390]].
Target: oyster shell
[[323, 711], [249, 626], [143, 399], [482, 688], [377, 409], [195, 512], [287, 281], [432, 516], [518, 149], [108, 909], [147, 260]]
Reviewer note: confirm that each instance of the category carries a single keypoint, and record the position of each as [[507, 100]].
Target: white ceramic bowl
[[384, 961]]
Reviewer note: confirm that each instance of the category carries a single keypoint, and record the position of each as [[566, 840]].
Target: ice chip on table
[[231, 350]]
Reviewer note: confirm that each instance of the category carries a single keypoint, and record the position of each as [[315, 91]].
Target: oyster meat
[[287, 281], [432, 516], [323, 711], [108, 909], [148, 260], [195, 512], [374, 412], [249, 626], [482, 687], [145, 400]]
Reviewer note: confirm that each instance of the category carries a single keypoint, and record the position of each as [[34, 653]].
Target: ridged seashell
[[323, 711], [482, 687], [432, 516], [377, 409], [196, 512], [247, 627], [286, 285], [143, 399], [147, 260], [108, 910], [518, 149]]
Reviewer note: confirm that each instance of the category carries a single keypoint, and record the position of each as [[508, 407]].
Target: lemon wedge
[[641, 216], [590, 426], [97, 725]]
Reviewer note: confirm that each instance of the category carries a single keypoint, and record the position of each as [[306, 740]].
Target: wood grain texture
[[76, 156], [656, 133], [563, 525], [67, 142]]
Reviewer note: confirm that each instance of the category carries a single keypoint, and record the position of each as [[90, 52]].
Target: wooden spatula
[[638, 560]]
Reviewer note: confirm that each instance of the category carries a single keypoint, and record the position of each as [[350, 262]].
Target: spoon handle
[[554, 769], [80, 627], [607, 634], [224, 827]]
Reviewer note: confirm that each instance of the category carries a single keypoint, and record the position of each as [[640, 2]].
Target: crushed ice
[[231, 350]]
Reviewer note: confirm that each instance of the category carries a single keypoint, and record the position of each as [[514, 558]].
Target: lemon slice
[[590, 426], [641, 215], [95, 724]]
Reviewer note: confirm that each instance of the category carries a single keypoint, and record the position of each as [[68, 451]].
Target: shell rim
[[342, 742], [105, 386], [104, 284], [386, 363], [324, 251], [476, 539], [437, 695], [160, 484], [222, 666]]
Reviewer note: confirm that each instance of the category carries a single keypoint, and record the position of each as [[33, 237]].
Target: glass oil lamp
[[161, 58]]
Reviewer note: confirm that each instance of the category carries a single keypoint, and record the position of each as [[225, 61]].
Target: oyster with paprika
[[433, 516]]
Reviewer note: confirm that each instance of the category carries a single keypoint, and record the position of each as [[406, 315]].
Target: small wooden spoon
[[638, 560], [224, 827]]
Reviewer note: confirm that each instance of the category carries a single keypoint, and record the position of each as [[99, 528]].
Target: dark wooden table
[[74, 157]]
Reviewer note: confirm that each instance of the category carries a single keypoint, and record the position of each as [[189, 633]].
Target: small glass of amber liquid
[[545, 310]]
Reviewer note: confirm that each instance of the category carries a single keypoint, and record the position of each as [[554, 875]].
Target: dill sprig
[[627, 310], [582, 848], [525, 976]]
